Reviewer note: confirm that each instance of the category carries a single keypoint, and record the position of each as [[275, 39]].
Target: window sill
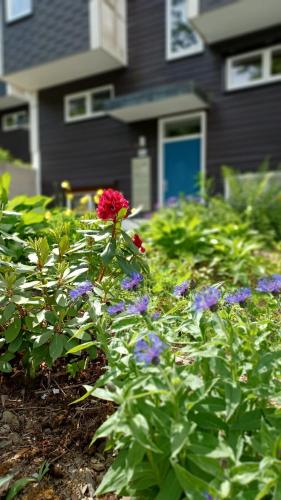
[[190, 53], [79, 119]]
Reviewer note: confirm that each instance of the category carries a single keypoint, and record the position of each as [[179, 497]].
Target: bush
[[194, 371], [258, 199]]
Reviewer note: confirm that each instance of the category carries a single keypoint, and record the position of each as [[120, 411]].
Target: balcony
[[64, 40], [8, 99], [219, 20]]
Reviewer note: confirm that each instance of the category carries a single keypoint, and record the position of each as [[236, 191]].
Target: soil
[[38, 424]]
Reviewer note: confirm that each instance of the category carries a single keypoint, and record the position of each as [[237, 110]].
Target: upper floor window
[[181, 39], [88, 104], [15, 9], [254, 68], [15, 121]]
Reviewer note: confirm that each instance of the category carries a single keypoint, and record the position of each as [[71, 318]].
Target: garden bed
[[39, 424]]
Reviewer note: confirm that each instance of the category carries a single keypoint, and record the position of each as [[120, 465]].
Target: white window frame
[[9, 16], [87, 94], [193, 8], [162, 140], [16, 126], [266, 78]]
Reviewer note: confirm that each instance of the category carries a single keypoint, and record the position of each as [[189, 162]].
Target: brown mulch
[[38, 424]]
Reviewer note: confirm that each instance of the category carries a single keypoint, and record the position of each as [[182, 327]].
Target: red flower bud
[[110, 204], [138, 243]]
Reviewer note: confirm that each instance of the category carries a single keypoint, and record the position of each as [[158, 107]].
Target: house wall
[[55, 29], [243, 126], [16, 141]]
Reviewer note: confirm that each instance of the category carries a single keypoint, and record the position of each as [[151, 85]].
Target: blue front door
[[182, 159]]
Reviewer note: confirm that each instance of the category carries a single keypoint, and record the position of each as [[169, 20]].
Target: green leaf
[[233, 397], [5, 479], [13, 330], [16, 344], [193, 486], [171, 488], [18, 486], [42, 339], [245, 473], [61, 299], [140, 430], [109, 252], [116, 477], [126, 266], [9, 311], [81, 347], [56, 346], [107, 428]]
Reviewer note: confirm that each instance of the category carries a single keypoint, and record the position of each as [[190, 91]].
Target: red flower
[[138, 242], [110, 204]]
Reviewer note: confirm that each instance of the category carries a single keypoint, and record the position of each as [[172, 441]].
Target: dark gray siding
[[213, 4], [16, 141], [243, 127], [56, 29]]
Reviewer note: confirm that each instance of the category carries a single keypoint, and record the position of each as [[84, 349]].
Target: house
[[195, 83]]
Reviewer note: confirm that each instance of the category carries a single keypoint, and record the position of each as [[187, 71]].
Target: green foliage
[[257, 198], [205, 421], [7, 157], [204, 241]]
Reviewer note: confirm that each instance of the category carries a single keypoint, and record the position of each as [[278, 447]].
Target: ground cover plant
[[187, 316]]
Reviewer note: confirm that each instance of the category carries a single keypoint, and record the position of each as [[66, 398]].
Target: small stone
[[11, 419], [97, 466], [4, 430], [15, 438], [5, 443]]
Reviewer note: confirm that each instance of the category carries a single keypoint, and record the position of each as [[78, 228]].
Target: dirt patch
[[39, 424]]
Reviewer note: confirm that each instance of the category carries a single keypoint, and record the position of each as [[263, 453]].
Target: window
[[255, 68], [182, 40], [88, 104], [16, 9], [15, 121], [182, 127]]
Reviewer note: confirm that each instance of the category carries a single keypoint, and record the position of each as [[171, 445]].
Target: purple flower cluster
[[181, 289], [132, 282], [116, 308], [156, 315], [270, 284], [80, 290], [140, 306], [207, 298], [239, 297], [149, 352]]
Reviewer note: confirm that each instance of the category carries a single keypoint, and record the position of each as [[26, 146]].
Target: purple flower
[[181, 289], [116, 308], [239, 297], [172, 201], [156, 315], [207, 298], [149, 352], [139, 307], [132, 282], [207, 496], [270, 284], [80, 290]]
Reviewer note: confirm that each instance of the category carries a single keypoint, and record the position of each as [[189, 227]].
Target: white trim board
[[161, 140]]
